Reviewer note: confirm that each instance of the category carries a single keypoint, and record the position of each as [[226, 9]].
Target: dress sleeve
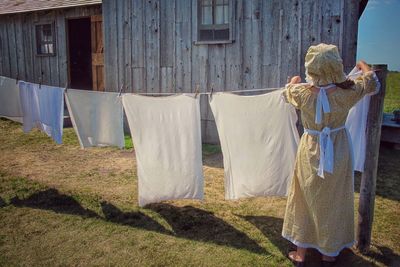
[[293, 94], [366, 84]]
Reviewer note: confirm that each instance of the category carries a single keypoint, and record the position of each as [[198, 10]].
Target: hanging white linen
[[10, 106], [167, 139], [42, 108], [97, 117], [259, 142], [356, 123]]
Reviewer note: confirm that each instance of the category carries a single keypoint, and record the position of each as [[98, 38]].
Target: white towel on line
[[10, 106], [259, 141], [43, 108], [167, 139], [97, 117], [356, 124]]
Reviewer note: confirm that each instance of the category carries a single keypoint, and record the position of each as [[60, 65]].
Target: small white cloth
[[356, 123], [167, 139], [97, 117], [259, 141], [10, 106], [43, 108]]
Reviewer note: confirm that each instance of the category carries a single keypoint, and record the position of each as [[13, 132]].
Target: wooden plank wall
[[149, 45], [18, 57]]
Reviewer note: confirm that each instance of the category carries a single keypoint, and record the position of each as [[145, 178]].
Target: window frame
[[230, 25], [38, 42]]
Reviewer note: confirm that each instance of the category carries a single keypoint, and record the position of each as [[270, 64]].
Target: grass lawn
[[60, 205], [392, 97]]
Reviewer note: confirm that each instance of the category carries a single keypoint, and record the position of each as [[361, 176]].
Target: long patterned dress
[[320, 211]]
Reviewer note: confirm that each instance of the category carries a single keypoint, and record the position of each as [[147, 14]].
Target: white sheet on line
[[43, 108], [10, 106], [167, 139], [356, 124], [97, 117], [259, 141]]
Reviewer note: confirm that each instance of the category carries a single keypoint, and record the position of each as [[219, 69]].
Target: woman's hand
[[295, 79], [363, 66]]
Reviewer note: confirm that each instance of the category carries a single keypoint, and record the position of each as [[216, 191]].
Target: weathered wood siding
[[18, 57], [149, 45]]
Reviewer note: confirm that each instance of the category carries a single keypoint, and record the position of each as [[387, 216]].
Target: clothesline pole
[[368, 178]]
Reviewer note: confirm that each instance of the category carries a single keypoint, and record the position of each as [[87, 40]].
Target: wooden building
[[171, 45], [48, 42]]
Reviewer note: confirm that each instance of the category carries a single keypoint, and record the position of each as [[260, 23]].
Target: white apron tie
[[322, 103], [326, 156]]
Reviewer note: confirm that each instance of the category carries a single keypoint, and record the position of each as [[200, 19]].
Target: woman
[[320, 207]]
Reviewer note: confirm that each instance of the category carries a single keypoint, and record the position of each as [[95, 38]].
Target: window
[[45, 39], [214, 21]]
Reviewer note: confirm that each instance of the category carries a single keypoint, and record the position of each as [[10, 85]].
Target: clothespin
[[40, 79], [66, 87], [196, 91], [16, 81], [120, 90], [288, 79], [212, 90]]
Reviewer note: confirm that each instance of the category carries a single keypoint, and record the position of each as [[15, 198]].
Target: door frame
[[67, 37]]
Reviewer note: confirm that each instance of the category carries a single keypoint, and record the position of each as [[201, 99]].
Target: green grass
[[392, 97], [61, 205], [207, 149], [128, 142]]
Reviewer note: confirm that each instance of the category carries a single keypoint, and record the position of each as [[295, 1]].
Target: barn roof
[[18, 6]]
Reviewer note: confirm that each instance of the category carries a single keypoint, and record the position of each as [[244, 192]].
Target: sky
[[379, 33]]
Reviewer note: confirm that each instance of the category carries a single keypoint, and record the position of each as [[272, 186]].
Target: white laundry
[[10, 106], [167, 139], [356, 124], [97, 117], [43, 107], [259, 141]]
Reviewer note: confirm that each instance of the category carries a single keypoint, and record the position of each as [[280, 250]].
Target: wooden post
[[368, 178]]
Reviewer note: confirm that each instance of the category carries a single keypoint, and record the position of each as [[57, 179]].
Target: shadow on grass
[[200, 225], [271, 228], [386, 256], [51, 199], [213, 160], [133, 219], [187, 222], [2, 203]]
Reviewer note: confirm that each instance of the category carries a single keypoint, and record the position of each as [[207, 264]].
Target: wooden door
[[97, 52]]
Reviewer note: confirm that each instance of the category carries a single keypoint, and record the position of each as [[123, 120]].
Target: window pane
[[221, 34], [206, 2], [47, 30], [207, 15], [226, 14], [44, 39], [219, 14], [206, 35], [43, 49], [50, 48]]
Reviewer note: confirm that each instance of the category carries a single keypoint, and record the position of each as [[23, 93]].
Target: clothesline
[[212, 92], [233, 91], [98, 120]]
